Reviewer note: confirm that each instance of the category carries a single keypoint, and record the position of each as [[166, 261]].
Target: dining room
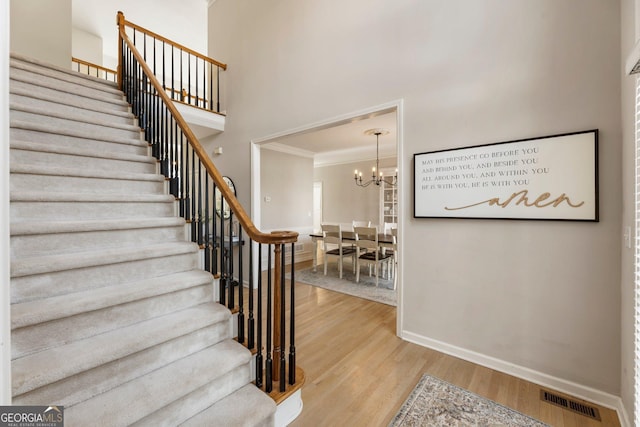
[[341, 175]]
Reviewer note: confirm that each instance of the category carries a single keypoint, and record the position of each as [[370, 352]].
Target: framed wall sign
[[550, 178]]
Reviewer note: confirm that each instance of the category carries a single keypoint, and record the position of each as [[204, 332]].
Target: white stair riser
[[61, 183], [64, 86], [80, 79], [83, 126], [62, 282], [69, 242], [77, 388], [71, 110], [32, 339], [73, 98], [67, 160], [83, 211], [199, 400]]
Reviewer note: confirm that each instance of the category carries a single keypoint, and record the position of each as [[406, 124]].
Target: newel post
[[120, 23]]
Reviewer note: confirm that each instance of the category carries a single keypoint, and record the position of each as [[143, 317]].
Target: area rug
[[434, 402], [366, 288]]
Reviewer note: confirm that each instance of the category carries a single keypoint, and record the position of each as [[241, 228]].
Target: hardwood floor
[[358, 372]]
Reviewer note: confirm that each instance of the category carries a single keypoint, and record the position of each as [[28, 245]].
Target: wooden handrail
[[92, 65], [171, 42], [275, 237]]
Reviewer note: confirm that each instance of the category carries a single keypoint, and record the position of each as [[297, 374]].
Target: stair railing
[[193, 181], [91, 69], [187, 76]]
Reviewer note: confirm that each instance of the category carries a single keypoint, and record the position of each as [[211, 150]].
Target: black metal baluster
[[240, 288], [218, 88], [283, 361], [292, 322], [181, 83], [223, 255], [187, 187], [207, 240], [196, 79], [199, 201], [210, 105], [251, 320], [189, 78], [214, 232], [230, 260], [194, 211], [269, 363], [259, 359], [173, 89]]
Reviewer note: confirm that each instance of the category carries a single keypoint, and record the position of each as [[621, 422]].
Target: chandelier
[[378, 178]]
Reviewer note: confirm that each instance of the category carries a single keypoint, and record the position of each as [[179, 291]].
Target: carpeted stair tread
[[66, 81], [263, 409], [57, 307], [86, 152], [22, 94], [22, 228], [80, 116], [44, 196], [160, 388], [62, 262], [70, 131], [45, 367], [84, 173], [41, 67]]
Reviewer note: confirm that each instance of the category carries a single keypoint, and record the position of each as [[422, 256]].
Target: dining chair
[[332, 236], [355, 224], [367, 240]]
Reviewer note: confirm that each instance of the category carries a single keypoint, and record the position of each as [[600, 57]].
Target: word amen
[[524, 199]]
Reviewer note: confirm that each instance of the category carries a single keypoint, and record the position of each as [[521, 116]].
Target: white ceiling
[[183, 21], [342, 142]]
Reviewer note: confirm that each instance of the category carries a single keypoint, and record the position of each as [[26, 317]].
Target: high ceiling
[[186, 23]]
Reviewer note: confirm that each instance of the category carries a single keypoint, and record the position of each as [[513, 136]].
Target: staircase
[[111, 315]]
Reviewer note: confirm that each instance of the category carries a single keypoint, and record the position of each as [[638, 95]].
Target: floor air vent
[[571, 405]]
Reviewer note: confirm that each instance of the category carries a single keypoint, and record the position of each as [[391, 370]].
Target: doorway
[[289, 141]]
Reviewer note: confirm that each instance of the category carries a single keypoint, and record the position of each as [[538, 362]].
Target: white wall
[[86, 46], [539, 295], [42, 30], [629, 36], [5, 320]]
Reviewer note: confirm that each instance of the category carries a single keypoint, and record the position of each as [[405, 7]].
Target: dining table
[[384, 241]]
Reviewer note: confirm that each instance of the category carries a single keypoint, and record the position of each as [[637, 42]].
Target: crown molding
[[282, 148]]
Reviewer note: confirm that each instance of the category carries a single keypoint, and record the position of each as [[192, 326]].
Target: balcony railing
[[186, 75], [86, 67], [264, 325]]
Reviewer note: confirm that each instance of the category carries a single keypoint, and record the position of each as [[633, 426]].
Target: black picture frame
[[552, 177]]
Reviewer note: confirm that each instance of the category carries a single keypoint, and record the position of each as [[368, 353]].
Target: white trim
[[5, 277], [388, 107], [633, 58], [288, 149], [564, 386], [289, 409], [403, 168], [352, 155]]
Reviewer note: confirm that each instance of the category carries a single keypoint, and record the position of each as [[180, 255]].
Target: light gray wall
[[86, 46], [42, 30], [287, 180], [541, 295], [629, 37], [342, 200]]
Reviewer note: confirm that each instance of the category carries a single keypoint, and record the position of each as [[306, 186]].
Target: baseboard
[[564, 386]]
